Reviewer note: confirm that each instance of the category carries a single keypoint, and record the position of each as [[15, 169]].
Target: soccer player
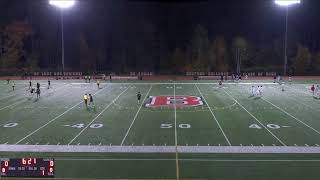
[[312, 89], [139, 97], [38, 85], [38, 92], [49, 84], [252, 90], [13, 85], [260, 91], [290, 79], [220, 84], [32, 91], [85, 98], [89, 79], [98, 84], [30, 85], [8, 81], [90, 99], [85, 79]]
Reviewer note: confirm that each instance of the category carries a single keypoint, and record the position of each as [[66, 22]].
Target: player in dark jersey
[[30, 85], [38, 85], [49, 84], [90, 99], [98, 84], [139, 97], [38, 92], [13, 85]]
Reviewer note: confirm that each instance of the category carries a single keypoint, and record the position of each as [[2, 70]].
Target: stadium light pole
[[286, 3], [62, 5]]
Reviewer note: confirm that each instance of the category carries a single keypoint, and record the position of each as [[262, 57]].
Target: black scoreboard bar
[[27, 167]]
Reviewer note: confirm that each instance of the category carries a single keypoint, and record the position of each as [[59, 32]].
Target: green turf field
[[233, 135]]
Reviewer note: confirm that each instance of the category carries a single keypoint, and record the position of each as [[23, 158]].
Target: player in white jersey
[[252, 90], [260, 91]]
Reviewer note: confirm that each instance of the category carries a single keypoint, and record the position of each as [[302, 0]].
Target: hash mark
[[47, 143], [317, 144], [58, 143], [78, 144], [27, 142], [100, 144], [37, 143]]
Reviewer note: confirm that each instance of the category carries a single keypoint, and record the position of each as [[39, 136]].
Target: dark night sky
[[260, 21]]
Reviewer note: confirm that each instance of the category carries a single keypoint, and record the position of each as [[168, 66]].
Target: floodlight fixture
[[63, 4], [287, 2]]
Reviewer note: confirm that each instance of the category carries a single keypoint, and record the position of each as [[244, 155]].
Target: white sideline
[[162, 83], [161, 149]]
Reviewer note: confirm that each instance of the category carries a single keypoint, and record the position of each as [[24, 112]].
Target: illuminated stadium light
[[286, 2], [63, 4]]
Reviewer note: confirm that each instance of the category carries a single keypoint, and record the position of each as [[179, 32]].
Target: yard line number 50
[[169, 126]]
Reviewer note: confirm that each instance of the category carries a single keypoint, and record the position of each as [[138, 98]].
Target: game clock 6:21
[[27, 167]]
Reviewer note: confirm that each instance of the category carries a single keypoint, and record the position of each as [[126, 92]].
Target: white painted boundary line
[[171, 83], [176, 133], [97, 116], [18, 102], [214, 116], [135, 117], [161, 149], [255, 118], [57, 117], [291, 115]]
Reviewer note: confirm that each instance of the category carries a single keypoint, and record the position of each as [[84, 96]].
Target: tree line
[[142, 48]]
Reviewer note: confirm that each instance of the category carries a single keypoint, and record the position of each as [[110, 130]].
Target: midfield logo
[[168, 101]]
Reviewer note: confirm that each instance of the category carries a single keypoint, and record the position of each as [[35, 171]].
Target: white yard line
[[191, 83], [135, 117], [255, 118], [175, 132], [97, 116], [225, 136], [57, 117], [22, 100], [162, 149], [291, 115], [299, 91], [13, 104]]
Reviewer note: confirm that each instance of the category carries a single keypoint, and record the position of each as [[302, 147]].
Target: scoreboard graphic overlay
[[27, 167]]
